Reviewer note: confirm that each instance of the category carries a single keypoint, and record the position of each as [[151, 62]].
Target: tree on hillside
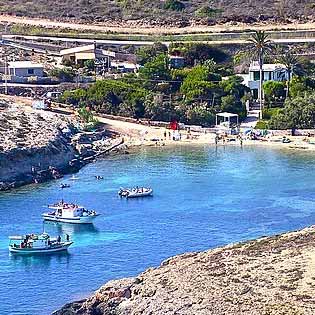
[[146, 54], [260, 46], [198, 53], [292, 65], [199, 83], [155, 72]]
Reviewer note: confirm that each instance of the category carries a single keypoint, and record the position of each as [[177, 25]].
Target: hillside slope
[[164, 12]]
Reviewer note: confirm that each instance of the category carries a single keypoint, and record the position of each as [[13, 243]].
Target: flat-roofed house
[[25, 69], [78, 55], [271, 72]]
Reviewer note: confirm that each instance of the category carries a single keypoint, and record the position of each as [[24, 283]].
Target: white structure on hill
[[83, 53], [25, 69], [271, 72]]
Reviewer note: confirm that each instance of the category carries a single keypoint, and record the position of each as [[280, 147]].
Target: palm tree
[[292, 66], [260, 46]]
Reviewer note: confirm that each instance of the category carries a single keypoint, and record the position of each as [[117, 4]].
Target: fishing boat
[[136, 192], [69, 213], [37, 244]]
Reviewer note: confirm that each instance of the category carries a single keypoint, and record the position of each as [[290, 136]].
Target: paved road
[[135, 29], [251, 119], [80, 40], [28, 85], [146, 43]]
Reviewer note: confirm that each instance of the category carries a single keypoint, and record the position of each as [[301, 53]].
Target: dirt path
[[133, 28]]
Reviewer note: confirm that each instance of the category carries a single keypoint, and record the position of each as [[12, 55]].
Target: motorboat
[[69, 213], [123, 192], [37, 244], [62, 186], [135, 192], [73, 177]]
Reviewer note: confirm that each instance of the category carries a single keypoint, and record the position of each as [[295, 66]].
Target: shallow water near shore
[[204, 197]]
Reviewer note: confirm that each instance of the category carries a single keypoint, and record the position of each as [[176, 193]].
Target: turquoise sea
[[204, 197]]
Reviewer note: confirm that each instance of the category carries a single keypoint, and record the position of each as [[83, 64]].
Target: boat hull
[[32, 251], [140, 195], [76, 220]]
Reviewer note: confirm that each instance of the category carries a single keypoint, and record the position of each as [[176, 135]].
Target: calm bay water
[[204, 197]]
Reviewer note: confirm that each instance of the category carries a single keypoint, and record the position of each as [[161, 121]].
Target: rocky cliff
[[32, 146], [269, 276]]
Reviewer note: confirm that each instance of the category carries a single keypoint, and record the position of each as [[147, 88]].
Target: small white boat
[[37, 244], [73, 177], [62, 186], [69, 213], [135, 192]]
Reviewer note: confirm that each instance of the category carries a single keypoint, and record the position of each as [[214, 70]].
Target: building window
[[30, 71], [256, 75]]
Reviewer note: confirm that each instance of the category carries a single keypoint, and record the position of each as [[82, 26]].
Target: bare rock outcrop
[[32, 146], [269, 276]]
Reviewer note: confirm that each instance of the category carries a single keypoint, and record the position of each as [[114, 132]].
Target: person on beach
[[165, 134]]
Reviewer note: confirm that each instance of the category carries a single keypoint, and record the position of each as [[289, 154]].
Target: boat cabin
[[72, 212], [30, 241]]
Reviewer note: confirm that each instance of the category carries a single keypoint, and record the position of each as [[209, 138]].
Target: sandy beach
[[137, 134]]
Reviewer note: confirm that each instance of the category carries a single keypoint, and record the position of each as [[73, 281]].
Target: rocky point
[[269, 276]]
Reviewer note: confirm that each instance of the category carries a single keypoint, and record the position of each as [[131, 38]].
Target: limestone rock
[[269, 276]]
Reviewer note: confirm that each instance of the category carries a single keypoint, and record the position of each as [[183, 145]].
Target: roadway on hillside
[[146, 43], [133, 28]]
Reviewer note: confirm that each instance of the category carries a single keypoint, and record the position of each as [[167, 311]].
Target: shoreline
[[132, 136]]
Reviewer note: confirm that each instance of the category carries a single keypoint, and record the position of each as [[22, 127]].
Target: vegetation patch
[[174, 5]]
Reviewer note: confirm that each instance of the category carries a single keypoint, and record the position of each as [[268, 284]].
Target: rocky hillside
[[164, 12], [32, 146], [268, 276]]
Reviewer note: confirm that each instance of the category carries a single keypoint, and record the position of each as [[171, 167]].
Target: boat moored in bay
[[37, 244], [69, 213], [135, 192]]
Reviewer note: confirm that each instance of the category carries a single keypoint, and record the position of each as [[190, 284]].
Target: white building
[[271, 72], [25, 69], [79, 55], [124, 66]]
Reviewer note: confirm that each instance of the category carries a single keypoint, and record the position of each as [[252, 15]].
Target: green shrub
[[262, 124], [65, 74], [269, 112], [174, 5], [86, 115], [207, 11]]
